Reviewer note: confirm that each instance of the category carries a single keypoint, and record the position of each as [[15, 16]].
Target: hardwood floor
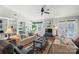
[[57, 47], [51, 40], [47, 50]]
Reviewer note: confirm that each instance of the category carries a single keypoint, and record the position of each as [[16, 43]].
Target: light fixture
[[9, 32]]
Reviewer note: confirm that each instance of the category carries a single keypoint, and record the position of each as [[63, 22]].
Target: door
[[62, 29], [71, 29], [68, 29]]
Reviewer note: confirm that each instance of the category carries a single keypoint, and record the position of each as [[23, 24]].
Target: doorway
[[68, 29]]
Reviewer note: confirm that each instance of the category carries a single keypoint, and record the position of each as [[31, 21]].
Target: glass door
[[68, 29], [62, 29], [71, 29]]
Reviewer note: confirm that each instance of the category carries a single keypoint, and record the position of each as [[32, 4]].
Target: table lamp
[[9, 32]]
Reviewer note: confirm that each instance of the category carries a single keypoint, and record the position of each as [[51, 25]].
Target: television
[[49, 30]]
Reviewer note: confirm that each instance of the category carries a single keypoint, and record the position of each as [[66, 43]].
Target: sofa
[[76, 41]]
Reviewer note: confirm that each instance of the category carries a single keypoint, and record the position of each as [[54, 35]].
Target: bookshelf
[[5, 23], [21, 29]]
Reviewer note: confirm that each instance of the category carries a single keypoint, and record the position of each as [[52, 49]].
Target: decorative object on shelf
[[48, 23]]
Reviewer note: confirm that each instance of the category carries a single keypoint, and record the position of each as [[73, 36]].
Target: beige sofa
[[27, 41]]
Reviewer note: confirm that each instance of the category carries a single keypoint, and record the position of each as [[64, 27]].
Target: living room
[[39, 29]]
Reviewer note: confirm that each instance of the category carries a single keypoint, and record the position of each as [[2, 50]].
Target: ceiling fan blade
[[44, 10], [47, 12], [48, 9]]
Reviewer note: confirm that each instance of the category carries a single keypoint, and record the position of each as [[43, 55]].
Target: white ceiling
[[5, 12], [33, 11]]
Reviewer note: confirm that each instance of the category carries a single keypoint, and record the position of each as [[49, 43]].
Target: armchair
[[39, 44]]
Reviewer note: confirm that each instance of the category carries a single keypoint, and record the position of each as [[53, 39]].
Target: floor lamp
[[56, 28]]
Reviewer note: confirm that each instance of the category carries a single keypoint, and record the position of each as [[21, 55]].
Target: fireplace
[[48, 32]]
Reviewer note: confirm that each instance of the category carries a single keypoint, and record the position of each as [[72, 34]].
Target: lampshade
[[56, 27], [9, 31]]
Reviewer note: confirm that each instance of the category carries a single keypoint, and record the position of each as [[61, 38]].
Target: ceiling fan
[[44, 10]]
